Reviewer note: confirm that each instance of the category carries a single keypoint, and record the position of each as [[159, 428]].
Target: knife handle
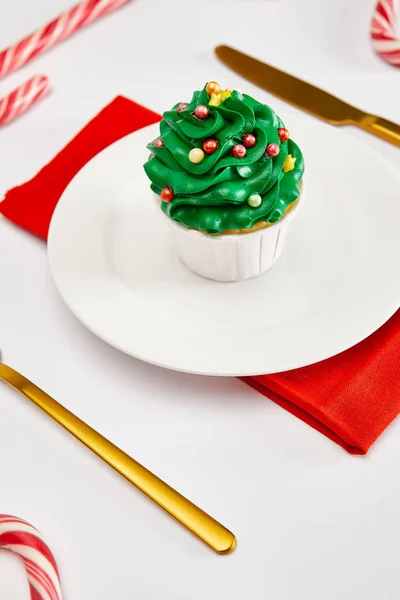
[[382, 128], [188, 514]]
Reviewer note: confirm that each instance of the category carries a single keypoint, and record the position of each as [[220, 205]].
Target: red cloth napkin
[[351, 398]]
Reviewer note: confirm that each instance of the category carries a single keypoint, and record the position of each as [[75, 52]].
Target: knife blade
[[305, 96]]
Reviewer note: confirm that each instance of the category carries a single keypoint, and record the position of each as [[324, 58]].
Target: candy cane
[[16, 103], [24, 540], [383, 35], [56, 31], [33, 45]]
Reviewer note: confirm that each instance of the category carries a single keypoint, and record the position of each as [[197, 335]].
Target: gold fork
[[188, 514]]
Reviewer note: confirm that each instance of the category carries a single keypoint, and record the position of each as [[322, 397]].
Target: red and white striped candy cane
[[33, 45], [383, 35], [24, 540], [56, 31], [16, 103]]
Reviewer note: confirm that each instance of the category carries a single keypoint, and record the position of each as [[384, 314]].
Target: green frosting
[[212, 196]]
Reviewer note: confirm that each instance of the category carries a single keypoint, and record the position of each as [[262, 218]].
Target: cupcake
[[228, 178]]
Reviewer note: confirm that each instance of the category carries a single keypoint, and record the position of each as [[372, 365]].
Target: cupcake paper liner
[[232, 257]]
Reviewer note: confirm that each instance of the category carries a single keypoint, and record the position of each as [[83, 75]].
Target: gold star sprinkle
[[225, 94], [289, 163], [215, 99]]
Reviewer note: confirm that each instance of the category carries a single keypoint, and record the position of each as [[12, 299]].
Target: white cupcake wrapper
[[232, 257]]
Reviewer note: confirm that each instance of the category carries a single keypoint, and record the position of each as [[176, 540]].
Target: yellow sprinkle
[[288, 165], [225, 94], [215, 100]]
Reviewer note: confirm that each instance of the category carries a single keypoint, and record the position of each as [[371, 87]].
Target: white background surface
[[312, 522]]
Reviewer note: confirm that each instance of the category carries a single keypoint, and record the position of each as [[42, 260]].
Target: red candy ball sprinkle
[[272, 150], [167, 195], [239, 151], [159, 143], [249, 140], [210, 146], [182, 106], [284, 134], [201, 111]]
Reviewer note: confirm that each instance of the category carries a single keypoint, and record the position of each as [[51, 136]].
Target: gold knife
[[188, 514], [306, 96]]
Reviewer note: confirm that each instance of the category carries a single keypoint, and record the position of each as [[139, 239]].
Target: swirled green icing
[[212, 196]]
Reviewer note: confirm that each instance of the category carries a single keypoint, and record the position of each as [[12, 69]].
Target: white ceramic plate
[[336, 283]]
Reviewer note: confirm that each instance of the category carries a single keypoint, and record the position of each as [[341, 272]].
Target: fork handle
[[382, 128], [188, 514]]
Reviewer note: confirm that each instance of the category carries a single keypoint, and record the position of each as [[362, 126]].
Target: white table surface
[[312, 521]]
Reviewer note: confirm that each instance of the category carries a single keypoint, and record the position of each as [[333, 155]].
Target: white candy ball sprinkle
[[254, 200], [196, 156]]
